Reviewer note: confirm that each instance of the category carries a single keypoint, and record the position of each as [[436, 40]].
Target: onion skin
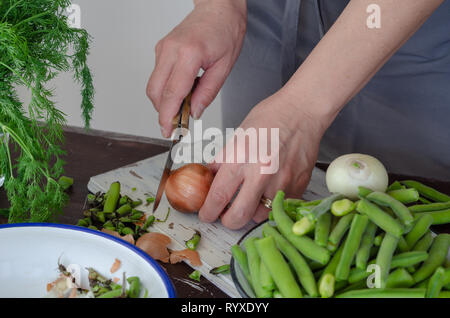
[[187, 187]]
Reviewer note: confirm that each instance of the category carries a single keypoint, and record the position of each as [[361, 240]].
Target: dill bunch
[[36, 44]]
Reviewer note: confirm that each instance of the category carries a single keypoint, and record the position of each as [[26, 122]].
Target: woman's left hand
[[298, 139]]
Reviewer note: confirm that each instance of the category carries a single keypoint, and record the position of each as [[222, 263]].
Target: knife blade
[[180, 123]]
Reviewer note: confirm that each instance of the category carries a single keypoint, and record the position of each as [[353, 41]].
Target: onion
[[188, 186], [346, 173]]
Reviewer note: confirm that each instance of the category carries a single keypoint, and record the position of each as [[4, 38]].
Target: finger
[[225, 184], [262, 213], [164, 65], [208, 87], [177, 88], [244, 205]]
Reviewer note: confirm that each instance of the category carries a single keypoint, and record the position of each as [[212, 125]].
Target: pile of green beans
[[379, 246], [116, 212]]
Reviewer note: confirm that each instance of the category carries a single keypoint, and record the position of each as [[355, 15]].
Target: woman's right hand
[[209, 38]]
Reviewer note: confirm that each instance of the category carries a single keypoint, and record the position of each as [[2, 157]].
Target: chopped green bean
[[399, 208], [323, 207], [266, 279], [340, 229], [299, 264], [326, 286], [439, 217], [135, 287], [385, 293], [278, 267], [193, 242], [223, 269], [254, 265], [112, 198], [427, 191], [240, 256], [351, 245], [124, 210], [421, 227], [402, 245], [435, 283], [342, 207], [150, 220], [437, 256], [363, 254], [430, 207], [363, 191], [322, 229], [405, 196], [400, 278], [380, 218], [424, 243], [304, 244], [195, 275], [384, 256], [395, 186]]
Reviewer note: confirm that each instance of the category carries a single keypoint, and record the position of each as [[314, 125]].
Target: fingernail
[[198, 113], [164, 132]]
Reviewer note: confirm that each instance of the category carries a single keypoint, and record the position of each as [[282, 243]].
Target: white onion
[[346, 173]]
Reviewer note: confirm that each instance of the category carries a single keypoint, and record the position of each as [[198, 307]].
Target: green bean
[[385, 293], [395, 186], [100, 217], [270, 216], [399, 260], [400, 278], [123, 200], [277, 294], [351, 245], [82, 223], [135, 287], [439, 217], [240, 257], [340, 229], [266, 279], [112, 198], [124, 210], [342, 207], [150, 220], [322, 229], [126, 231], [363, 254], [193, 242], [421, 227], [430, 207], [278, 268], [304, 244], [323, 207], [136, 215], [115, 293], [427, 191], [136, 203], [444, 294], [424, 201], [303, 226], [399, 208], [437, 255], [254, 265], [310, 203], [435, 283], [195, 275], [299, 264], [326, 286], [402, 245], [380, 218], [384, 256], [363, 191], [378, 239], [223, 269], [424, 243], [405, 196]]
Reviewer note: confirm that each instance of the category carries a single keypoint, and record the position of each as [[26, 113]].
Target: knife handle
[[182, 119]]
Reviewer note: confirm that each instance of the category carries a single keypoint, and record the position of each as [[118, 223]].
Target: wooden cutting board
[[214, 247]]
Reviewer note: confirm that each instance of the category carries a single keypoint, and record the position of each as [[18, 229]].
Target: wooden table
[[92, 153]]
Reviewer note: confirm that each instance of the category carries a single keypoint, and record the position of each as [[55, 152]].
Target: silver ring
[[266, 202]]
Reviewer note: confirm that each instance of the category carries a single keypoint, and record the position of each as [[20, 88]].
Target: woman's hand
[[209, 38], [299, 137]]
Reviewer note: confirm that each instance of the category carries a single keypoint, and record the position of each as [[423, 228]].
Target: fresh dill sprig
[[36, 44]]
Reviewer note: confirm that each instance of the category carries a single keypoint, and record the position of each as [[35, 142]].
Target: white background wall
[[124, 33]]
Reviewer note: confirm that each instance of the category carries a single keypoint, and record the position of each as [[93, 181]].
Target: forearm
[[350, 54]]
